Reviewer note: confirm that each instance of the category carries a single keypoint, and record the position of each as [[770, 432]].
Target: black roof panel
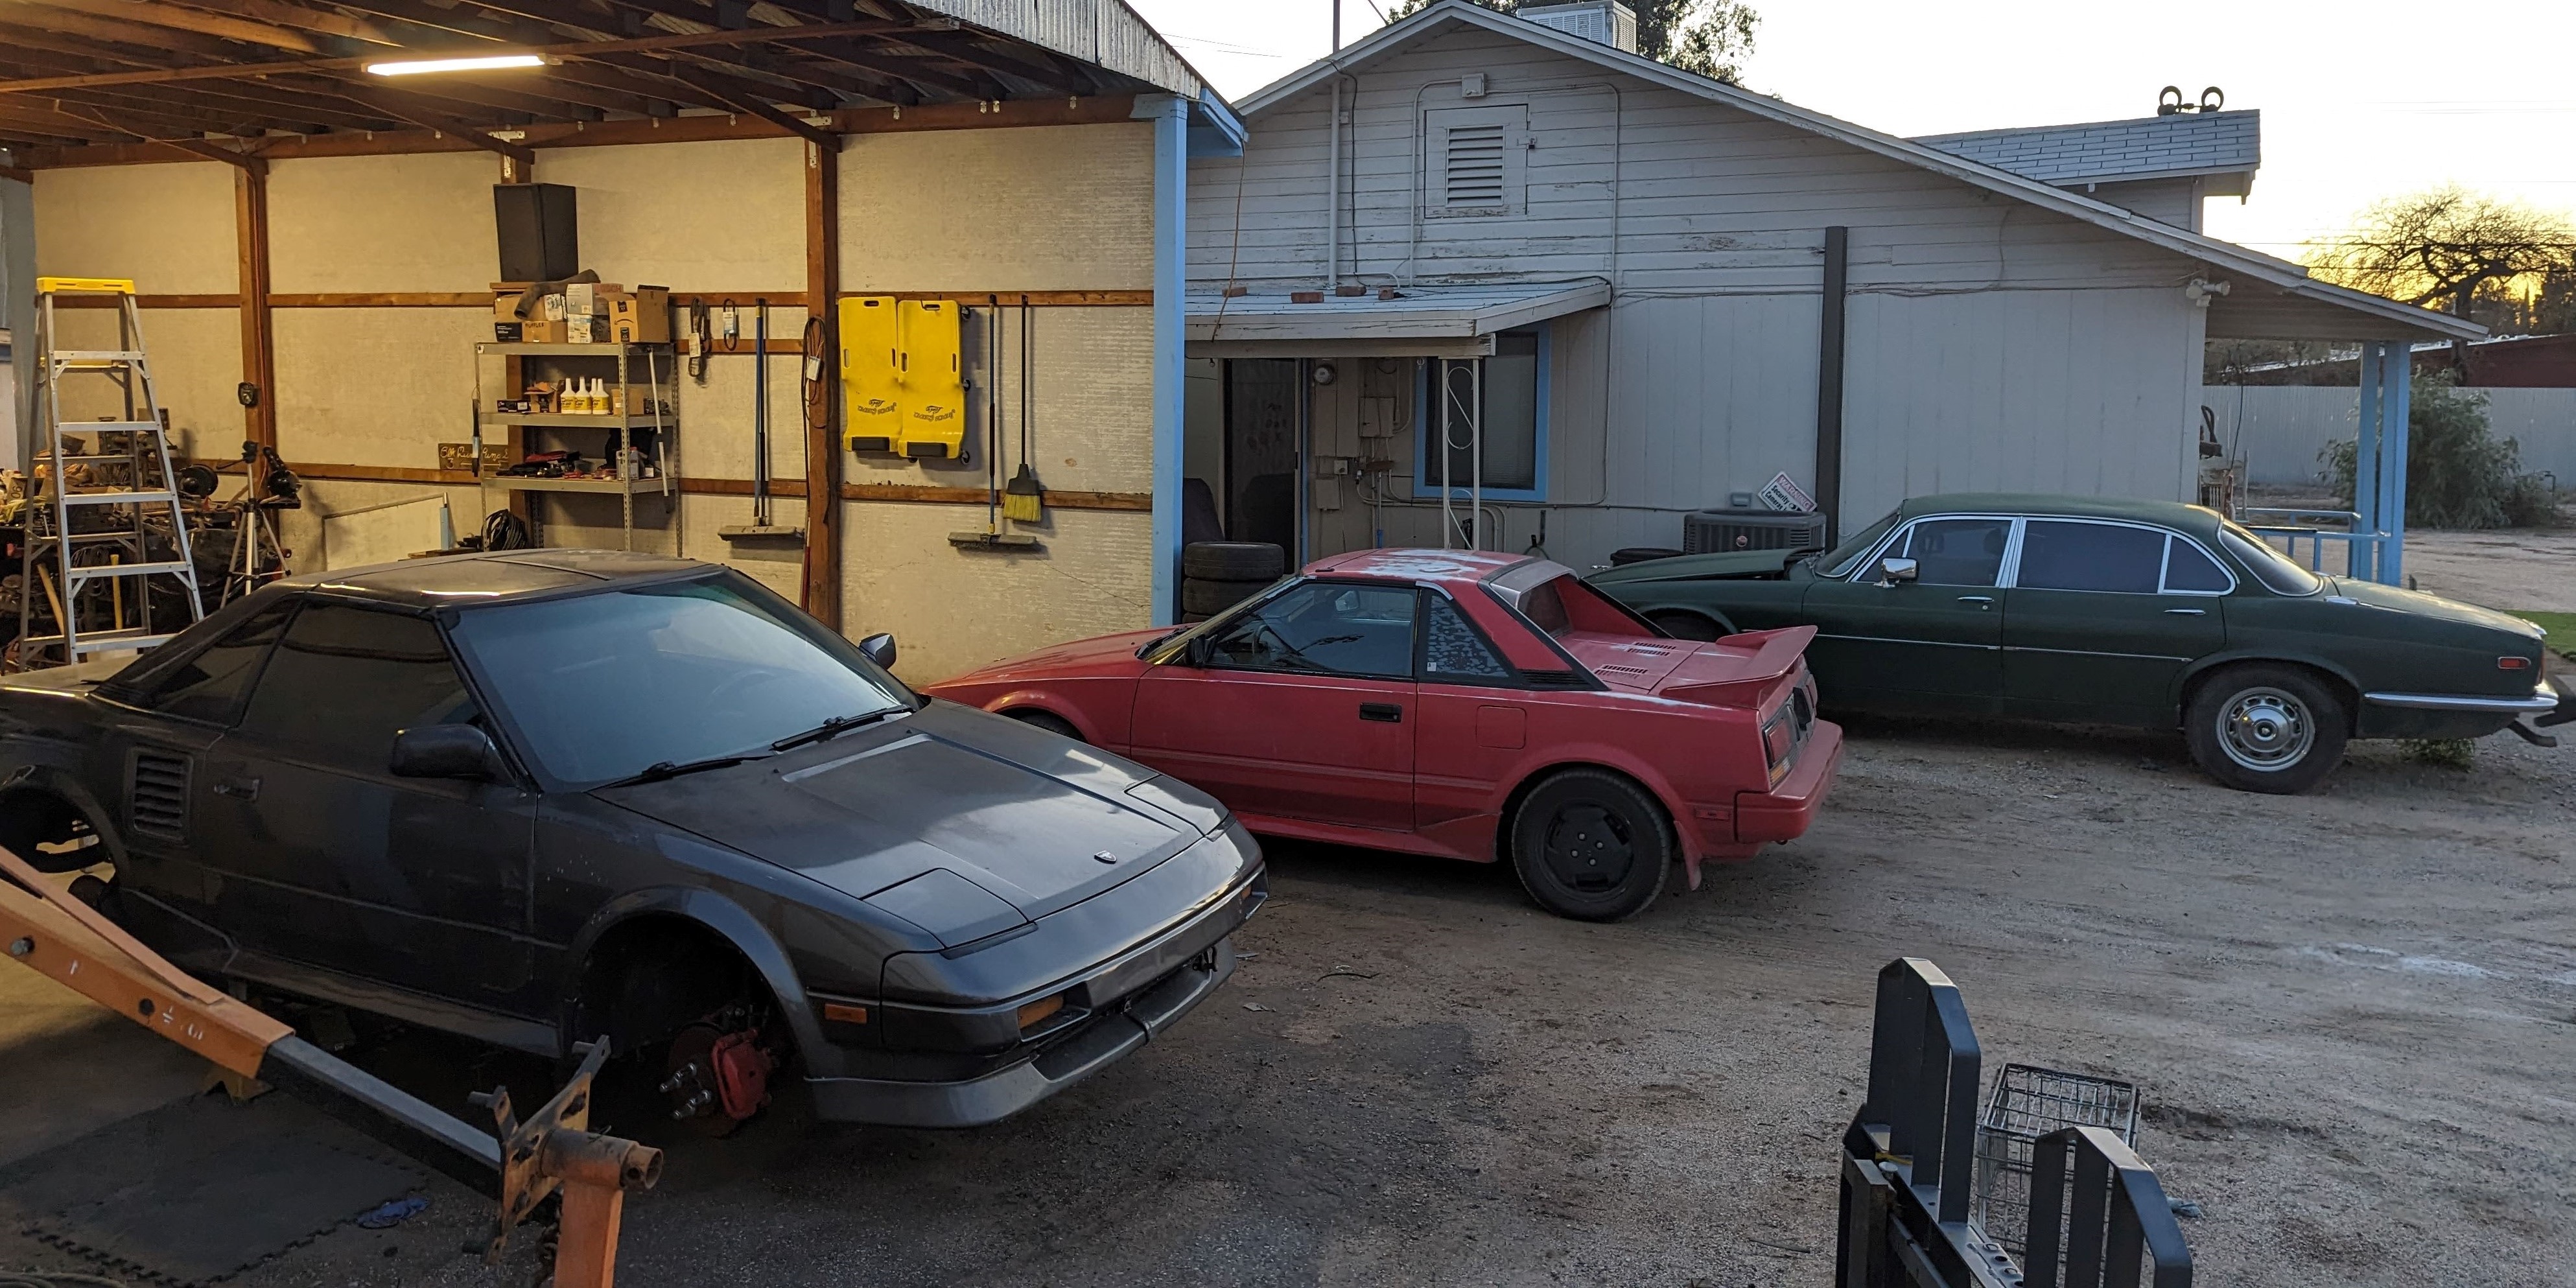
[[514, 574]]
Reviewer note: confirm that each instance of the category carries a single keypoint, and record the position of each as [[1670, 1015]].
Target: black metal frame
[[1907, 1159]]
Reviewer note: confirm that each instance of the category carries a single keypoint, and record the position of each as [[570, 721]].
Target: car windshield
[[601, 687], [2268, 565], [1838, 561]]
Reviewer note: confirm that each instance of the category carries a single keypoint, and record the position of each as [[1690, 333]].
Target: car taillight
[[1779, 741], [2513, 664]]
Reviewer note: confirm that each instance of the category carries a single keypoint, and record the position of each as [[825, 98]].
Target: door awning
[[1386, 322]]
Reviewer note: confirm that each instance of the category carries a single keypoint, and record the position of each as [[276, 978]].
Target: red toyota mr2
[[1477, 706]]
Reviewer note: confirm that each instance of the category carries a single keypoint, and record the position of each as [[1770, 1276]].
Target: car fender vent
[[156, 797]]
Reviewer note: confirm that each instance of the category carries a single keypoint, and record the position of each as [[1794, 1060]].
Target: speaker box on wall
[[540, 237]]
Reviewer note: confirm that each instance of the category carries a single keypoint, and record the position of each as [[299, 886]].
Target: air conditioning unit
[[1708, 532]]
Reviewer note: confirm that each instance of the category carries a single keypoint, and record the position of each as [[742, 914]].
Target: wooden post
[[258, 339], [822, 595]]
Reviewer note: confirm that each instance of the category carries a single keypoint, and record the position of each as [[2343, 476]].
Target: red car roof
[[1453, 567]]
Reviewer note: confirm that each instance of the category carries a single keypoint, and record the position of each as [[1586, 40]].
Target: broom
[[1023, 501]]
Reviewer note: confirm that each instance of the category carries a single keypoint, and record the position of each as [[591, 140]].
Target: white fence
[[2279, 429]]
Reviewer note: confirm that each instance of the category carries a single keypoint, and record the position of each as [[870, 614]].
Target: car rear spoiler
[[1767, 656]]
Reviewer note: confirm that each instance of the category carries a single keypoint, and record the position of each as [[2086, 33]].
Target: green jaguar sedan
[[2144, 613]]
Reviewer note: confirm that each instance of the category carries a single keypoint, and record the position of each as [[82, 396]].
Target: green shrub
[[2457, 474], [2443, 753]]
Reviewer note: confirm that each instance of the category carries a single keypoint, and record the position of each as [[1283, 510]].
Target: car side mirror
[[878, 648], [447, 751], [1892, 571]]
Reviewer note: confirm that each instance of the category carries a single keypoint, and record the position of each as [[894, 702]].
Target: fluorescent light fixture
[[486, 63]]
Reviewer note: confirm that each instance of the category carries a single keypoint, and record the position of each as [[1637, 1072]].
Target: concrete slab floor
[[2349, 1013]]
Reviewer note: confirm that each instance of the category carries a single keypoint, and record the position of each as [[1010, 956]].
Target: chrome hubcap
[[2266, 729]]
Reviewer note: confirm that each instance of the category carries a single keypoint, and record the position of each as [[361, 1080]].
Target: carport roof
[[245, 81], [1414, 321], [2267, 293]]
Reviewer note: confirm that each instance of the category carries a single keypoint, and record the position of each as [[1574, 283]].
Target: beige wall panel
[[952, 610], [720, 216], [1054, 208], [168, 227], [318, 542], [196, 361], [395, 223], [375, 386], [1091, 410]]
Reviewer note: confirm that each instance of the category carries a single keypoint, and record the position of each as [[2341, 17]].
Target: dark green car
[[2145, 613]]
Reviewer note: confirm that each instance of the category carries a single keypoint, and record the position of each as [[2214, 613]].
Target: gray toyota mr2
[[539, 796]]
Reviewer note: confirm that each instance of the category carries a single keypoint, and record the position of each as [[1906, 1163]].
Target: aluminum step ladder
[[104, 522]]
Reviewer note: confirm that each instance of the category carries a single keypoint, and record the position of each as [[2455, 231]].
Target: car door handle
[[243, 788], [1981, 601], [1387, 712], [2186, 612]]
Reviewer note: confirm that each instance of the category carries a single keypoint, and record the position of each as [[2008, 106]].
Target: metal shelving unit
[[641, 469]]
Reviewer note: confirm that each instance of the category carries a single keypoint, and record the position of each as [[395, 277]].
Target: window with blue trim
[[1515, 420]]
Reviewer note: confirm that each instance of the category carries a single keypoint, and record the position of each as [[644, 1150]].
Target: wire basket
[[2029, 1102]]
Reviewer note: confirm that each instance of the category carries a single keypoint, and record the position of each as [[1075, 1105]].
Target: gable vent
[[157, 799], [1474, 174]]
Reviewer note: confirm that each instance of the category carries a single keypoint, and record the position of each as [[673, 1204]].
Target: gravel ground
[[2351, 1014]]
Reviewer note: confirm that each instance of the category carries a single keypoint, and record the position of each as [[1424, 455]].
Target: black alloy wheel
[[1592, 845]]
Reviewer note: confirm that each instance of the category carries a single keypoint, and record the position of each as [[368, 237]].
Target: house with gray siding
[[1619, 293]]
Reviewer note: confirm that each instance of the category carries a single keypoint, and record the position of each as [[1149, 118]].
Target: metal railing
[[2361, 545], [2096, 1212]]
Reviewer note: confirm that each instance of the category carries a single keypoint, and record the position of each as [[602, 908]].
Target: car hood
[[2418, 604], [1026, 819], [1099, 655], [1737, 563]]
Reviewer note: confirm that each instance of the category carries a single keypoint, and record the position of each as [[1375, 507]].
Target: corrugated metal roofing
[[2184, 143], [1105, 33]]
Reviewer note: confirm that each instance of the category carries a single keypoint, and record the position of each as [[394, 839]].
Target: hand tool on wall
[[761, 527], [1024, 501]]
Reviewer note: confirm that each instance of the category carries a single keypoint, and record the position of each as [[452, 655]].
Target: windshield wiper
[[662, 769], [833, 726]]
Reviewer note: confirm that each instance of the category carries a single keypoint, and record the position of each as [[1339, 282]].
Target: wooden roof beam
[[197, 20], [460, 89], [398, 106], [589, 49], [820, 138], [154, 43], [327, 22]]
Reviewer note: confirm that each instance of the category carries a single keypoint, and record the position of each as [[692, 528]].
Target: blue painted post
[[2397, 376], [1171, 116], [2363, 551]]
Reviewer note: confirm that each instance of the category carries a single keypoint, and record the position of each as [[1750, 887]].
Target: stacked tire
[[1217, 575]]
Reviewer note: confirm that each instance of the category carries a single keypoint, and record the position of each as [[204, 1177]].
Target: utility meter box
[[934, 382], [871, 373]]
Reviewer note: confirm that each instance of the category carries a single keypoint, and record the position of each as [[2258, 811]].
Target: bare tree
[[1710, 37], [2448, 249]]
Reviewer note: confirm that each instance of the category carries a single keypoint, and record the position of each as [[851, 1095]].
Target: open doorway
[[1264, 405]]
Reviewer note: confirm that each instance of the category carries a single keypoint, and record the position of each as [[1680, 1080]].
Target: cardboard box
[[585, 330], [531, 332], [640, 316]]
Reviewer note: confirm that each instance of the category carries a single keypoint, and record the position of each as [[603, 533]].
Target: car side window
[[1323, 628], [1452, 649], [210, 685], [2059, 554], [344, 680], [2190, 571], [1956, 552]]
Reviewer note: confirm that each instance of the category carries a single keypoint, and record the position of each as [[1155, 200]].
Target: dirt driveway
[[2352, 1014]]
